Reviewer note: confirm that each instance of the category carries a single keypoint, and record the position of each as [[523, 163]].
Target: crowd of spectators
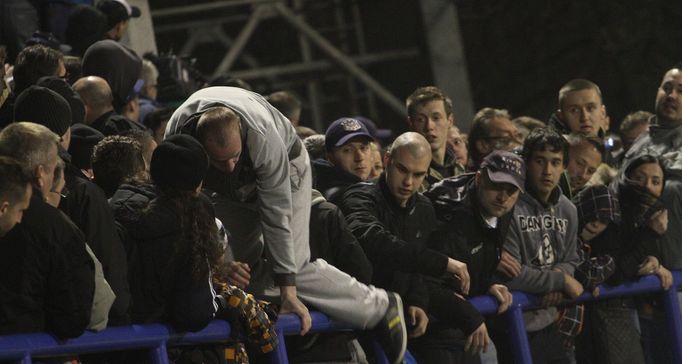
[[116, 209]]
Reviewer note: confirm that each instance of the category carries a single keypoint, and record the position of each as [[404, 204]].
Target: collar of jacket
[[554, 197], [393, 204]]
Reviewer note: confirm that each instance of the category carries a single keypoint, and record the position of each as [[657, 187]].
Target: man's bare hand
[[459, 269], [665, 276], [572, 288], [509, 265], [649, 266], [418, 320], [291, 303], [478, 341], [238, 274], [504, 297]]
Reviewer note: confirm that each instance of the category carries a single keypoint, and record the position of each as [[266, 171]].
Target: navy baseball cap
[[505, 167], [344, 129]]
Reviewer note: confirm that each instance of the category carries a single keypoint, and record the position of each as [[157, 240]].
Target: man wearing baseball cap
[[349, 158], [474, 211], [118, 14]]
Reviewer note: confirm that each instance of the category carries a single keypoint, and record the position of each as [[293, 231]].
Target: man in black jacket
[[55, 106], [46, 274], [393, 221], [474, 211]]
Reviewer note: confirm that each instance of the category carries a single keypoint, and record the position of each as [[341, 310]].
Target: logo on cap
[[350, 125]]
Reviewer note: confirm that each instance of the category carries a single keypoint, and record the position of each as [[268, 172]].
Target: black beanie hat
[[43, 106], [62, 87], [83, 141], [179, 162]]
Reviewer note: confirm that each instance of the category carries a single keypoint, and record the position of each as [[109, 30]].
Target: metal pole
[[314, 98], [343, 60], [159, 354], [671, 303], [240, 42], [215, 5], [279, 356], [518, 336]]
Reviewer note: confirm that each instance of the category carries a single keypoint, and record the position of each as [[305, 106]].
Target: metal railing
[[156, 338]]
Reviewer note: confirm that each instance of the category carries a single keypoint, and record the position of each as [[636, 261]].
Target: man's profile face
[[583, 112], [431, 121], [495, 199], [354, 157], [583, 160], [12, 213], [405, 173], [457, 144], [46, 178], [224, 157], [669, 97]]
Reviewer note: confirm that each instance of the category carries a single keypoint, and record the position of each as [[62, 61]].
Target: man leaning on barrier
[[259, 180]]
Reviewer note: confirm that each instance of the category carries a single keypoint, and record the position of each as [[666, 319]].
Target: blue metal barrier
[[157, 337]]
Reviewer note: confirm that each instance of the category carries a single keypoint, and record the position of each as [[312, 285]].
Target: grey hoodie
[[543, 238], [269, 137]]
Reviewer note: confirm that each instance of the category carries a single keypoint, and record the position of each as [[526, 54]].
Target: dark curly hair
[[200, 239]]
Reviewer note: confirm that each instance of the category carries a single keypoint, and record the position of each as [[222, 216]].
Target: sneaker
[[391, 331]]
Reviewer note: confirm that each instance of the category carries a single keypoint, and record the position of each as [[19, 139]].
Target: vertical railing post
[[518, 335], [671, 304], [159, 354], [379, 354], [26, 359], [279, 356]]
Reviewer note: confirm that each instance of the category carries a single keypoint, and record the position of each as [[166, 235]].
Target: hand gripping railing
[[487, 305], [157, 337]]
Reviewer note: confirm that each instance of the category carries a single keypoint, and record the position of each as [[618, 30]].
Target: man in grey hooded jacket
[[260, 183], [542, 237]]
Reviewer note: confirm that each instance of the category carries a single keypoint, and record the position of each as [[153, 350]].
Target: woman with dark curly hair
[[175, 241]]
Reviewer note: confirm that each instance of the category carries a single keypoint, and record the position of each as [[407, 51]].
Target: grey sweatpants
[[319, 285]]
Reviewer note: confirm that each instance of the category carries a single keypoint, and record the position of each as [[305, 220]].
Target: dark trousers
[[546, 346]]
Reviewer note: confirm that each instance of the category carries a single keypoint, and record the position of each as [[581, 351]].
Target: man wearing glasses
[[492, 129]]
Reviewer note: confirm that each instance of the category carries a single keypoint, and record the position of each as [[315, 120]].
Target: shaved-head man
[[260, 182], [581, 109], [393, 222], [99, 109], [96, 95]]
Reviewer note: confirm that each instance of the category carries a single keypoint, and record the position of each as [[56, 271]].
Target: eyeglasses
[[503, 141]]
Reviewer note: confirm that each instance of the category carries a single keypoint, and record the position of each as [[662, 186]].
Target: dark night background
[[519, 53]]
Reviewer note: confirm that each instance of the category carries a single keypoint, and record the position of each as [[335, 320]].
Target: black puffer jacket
[[462, 233], [394, 238], [47, 278], [331, 240], [161, 281]]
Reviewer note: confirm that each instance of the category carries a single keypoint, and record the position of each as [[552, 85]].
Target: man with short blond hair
[[429, 113], [46, 274]]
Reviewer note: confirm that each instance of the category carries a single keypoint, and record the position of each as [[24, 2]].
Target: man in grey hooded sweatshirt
[[542, 237], [260, 183]]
